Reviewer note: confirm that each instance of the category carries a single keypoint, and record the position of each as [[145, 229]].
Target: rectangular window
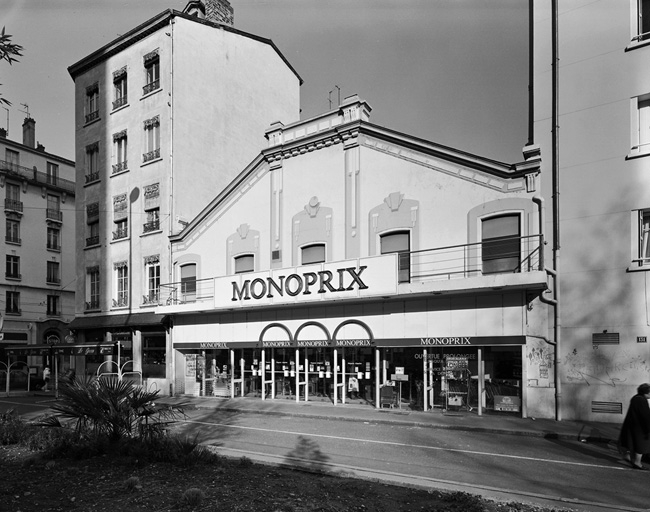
[[501, 244], [53, 276], [152, 72], [12, 159], [244, 263], [92, 103], [92, 162], [53, 210], [54, 239], [153, 356], [52, 173], [153, 220], [313, 254], [93, 233], [92, 288], [119, 152], [399, 242], [152, 271], [12, 303], [151, 139], [12, 199], [643, 25], [13, 231], [12, 268], [53, 305], [188, 282], [122, 285], [119, 88], [121, 229]]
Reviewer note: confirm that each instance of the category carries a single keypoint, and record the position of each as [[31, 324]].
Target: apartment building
[[38, 248], [165, 116], [591, 101]]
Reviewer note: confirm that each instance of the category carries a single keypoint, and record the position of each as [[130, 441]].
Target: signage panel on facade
[[350, 279]]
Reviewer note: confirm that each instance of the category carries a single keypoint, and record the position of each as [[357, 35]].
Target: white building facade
[[166, 115], [352, 263]]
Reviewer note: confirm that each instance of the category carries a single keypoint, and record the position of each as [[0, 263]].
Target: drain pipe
[[556, 203]]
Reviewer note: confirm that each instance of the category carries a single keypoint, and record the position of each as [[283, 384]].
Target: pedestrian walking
[[46, 378], [634, 440]]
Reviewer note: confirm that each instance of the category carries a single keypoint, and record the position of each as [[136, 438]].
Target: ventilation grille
[[607, 407], [605, 338], [275, 255]]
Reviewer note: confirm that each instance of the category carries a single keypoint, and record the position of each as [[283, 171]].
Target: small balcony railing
[[151, 155], [13, 205], [120, 102], [54, 247], [187, 291], [92, 116], [151, 86], [154, 225], [120, 233], [12, 239], [53, 280], [92, 304], [150, 299], [53, 214], [121, 302], [92, 176], [92, 240], [13, 275], [120, 167]]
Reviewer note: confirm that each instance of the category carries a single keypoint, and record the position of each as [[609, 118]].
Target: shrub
[[192, 497], [111, 408], [12, 428], [133, 484]]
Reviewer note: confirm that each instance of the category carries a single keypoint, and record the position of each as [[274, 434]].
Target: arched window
[[314, 253], [244, 263], [501, 248], [399, 242]]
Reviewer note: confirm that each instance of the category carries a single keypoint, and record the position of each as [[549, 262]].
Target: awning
[[77, 349], [82, 323]]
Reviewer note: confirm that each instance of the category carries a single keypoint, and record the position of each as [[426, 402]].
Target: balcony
[[151, 155], [507, 264], [121, 233], [32, 175], [120, 167], [92, 240], [150, 87], [92, 176], [120, 102], [53, 214], [151, 226], [92, 304], [92, 116], [13, 205]]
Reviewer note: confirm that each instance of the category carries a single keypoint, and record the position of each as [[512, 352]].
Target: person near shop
[[46, 378], [634, 440]]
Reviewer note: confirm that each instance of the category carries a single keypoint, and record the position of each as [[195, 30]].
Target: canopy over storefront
[[115, 321], [75, 349]]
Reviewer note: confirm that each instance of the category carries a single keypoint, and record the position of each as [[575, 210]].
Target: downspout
[[171, 202], [556, 204]]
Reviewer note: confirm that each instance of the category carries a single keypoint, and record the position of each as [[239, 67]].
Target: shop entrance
[[486, 379]]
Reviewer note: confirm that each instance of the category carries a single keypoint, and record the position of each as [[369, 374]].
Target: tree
[[8, 52]]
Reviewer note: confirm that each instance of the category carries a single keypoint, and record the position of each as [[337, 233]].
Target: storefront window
[[154, 356]]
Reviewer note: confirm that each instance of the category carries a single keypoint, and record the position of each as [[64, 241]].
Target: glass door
[[316, 373], [358, 378], [283, 372]]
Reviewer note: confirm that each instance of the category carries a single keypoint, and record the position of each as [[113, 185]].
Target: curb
[[546, 434]]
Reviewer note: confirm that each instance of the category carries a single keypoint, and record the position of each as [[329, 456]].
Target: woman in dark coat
[[635, 431]]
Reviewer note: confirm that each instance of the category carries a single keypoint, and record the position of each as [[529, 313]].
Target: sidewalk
[[454, 420]]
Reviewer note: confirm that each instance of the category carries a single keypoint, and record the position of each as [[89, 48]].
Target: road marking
[[406, 445]]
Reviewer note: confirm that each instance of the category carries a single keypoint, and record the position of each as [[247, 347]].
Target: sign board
[[399, 377], [456, 363], [507, 403], [642, 339], [399, 370], [348, 279]]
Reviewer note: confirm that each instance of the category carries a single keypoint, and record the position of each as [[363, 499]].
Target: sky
[[454, 72]]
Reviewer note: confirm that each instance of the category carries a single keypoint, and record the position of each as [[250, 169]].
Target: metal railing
[[53, 214], [505, 255], [35, 176], [151, 155], [92, 240], [119, 167], [92, 176], [92, 116], [13, 205], [151, 226], [150, 87], [120, 233], [93, 304], [120, 102]]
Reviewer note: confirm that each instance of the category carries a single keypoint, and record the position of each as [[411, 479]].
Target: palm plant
[[111, 408]]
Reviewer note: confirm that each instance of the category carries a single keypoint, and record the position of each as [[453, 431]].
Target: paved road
[[554, 472], [559, 472]]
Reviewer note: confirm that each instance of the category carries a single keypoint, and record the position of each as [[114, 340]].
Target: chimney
[[219, 11], [29, 132], [3, 133]]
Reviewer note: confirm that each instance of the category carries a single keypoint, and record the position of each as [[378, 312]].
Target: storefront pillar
[[262, 371], [425, 380], [336, 376], [481, 381], [378, 385], [297, 359], [343, 374]]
